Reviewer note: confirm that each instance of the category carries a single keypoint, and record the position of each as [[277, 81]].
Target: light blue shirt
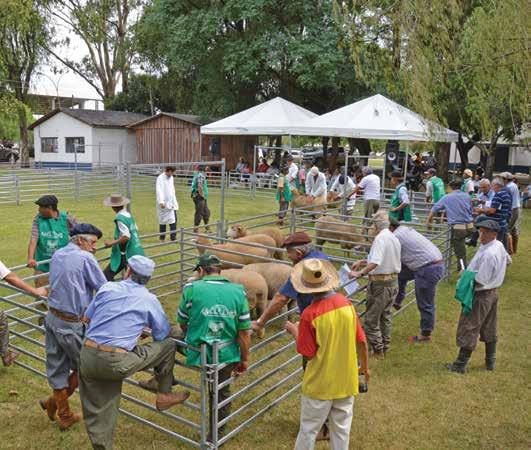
[[74, 277], [458, 206], [486, 197], [416, 250], [515, 194], [119, 313]]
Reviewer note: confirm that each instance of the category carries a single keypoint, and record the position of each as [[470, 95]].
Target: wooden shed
[[172, 137]]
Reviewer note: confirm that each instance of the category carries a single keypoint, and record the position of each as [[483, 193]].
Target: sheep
[[328, 228], [243, 254], [275, 275], [262, 239], [238, 231], [301, 201]]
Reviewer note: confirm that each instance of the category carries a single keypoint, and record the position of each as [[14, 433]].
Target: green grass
[[413, 403]]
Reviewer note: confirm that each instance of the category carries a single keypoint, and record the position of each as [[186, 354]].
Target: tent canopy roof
[[276, 117], [376, 117]]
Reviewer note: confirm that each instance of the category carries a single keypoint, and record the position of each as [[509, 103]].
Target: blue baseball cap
[[141, 265], [86, 228]]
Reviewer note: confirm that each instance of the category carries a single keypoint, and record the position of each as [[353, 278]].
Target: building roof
[[95, 118], [196, 120]]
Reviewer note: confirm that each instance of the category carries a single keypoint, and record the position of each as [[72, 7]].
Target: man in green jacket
[[126, 242], [434, 186], [200, 197], [49, 233], [399, 205], [284, 195]]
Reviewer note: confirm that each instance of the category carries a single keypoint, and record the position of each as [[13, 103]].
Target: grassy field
[[412, 403]]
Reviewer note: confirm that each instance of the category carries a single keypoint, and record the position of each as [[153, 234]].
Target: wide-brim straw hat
[[314, 275], [116, 200]]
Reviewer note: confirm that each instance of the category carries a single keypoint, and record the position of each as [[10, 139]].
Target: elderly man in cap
[[167, 204], [316, 186], [9, 356], [423, 262], [382, 266], [500, 209], [434, 186], [399, 204], [74, 277], [126, 242], [214, 310], [116, 319], [488, 266], [49, 233], [298, 247], [458, 207], [514, 222], [467, 186], [330, 338], [370, 185]]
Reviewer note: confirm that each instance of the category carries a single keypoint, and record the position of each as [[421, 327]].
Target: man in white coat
[[167, 205], [316, 187], [342, 189]]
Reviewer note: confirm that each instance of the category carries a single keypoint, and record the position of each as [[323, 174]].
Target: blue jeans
[[426, 279]]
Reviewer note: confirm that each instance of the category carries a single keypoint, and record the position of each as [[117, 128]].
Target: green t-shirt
[[214, 310]]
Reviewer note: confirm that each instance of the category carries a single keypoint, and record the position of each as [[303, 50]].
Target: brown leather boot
[[49, 405], [65, 417]]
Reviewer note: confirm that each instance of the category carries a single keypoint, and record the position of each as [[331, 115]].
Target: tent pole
[[345, 183], [405, 161], [253, 183]]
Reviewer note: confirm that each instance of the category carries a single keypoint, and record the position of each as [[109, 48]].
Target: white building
[[65, 137]]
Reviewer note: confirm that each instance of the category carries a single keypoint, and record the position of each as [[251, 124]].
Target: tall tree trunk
[[335, 153], [442, 156], [491, 155], [324, 141], [464, 148], [23, 129], [363, 146]]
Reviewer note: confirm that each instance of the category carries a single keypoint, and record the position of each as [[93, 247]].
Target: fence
[[275, 372]]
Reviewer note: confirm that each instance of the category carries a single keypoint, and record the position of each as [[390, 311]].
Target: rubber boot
[[490, 355], [459, 365], [515, 244], [65, 417], [49, 404]]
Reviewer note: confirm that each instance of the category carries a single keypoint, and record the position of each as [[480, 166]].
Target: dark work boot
[[459, 365], [490, 355]]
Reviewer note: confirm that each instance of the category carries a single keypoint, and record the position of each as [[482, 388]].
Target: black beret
[[47, 200], [85, 228]]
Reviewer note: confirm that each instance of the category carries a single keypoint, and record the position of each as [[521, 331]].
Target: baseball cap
[[207, 260]]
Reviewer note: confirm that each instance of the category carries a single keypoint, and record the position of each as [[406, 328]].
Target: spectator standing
[[283, 195], [200, 197], [370, 185], [468, 183], [500, 209], [331, 339], [167, 205], [514, 222]]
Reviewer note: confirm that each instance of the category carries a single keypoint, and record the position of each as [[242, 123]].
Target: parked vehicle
[[8, 154]]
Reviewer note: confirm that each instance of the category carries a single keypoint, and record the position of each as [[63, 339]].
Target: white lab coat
[[292, 175], [166, 195], [316, 187], [347, 188]]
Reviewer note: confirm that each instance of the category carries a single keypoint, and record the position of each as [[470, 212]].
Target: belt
[[103, 348], [383, 277], [64, 316], [463, 226], [439, 261]]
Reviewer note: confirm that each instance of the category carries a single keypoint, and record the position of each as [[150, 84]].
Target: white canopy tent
[[276, 117], [376, 117]]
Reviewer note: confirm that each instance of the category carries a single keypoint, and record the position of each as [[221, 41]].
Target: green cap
[[207, 260]]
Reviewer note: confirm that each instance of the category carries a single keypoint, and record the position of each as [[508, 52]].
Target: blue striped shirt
[[502, 202], [458, 207]]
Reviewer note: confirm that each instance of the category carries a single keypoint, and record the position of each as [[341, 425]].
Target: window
[[75, 144], [49, 145]]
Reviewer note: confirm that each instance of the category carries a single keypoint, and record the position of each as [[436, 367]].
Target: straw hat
[[116, 200], [314, 275]]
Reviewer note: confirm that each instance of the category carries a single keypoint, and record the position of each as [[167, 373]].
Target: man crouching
[[118, 315]]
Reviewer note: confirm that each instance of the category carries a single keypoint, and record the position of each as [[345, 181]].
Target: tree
[[23, 31], [107, 29], [494, 71]]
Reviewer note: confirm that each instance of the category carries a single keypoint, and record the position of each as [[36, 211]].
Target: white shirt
[[4, 271], [385, 251], [347, 187], [292, 174], [469, 187], [124, 231], [371, 187], [429, 189], [166, 192], [490, 262], [316, 187]]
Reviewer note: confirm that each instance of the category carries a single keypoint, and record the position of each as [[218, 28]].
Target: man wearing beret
[[74, 277], [489, 265], [49, 233], [116, 319]]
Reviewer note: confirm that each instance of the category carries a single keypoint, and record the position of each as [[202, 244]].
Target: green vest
[[53, 235], [405, 213], [465, 185], [133, 246], [287, 191], [195, 190], [214, 312], [438, 189]]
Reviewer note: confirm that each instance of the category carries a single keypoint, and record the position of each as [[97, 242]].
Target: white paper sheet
[[343, 277]]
